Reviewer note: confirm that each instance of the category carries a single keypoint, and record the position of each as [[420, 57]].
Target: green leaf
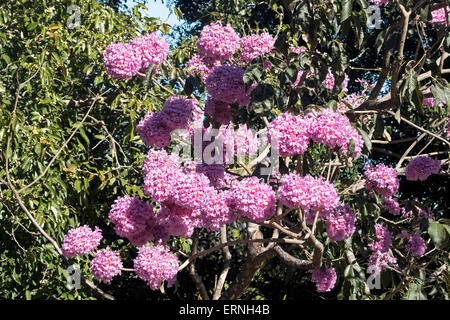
[[366, 139], [346, 11], [438, 233]]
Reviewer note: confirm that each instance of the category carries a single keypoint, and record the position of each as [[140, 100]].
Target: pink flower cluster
[[383, 179], [429, 102], [121, 61], [216, 212], [341, 224], [381, 260], [311, 194], [105, 265], [421, 168], [81, 240], [392, 206], [243, 140], [152, 48], [191, 190], [217, 43], [353, 100], [440, 16], [176, 113], [383, 239], [155, 265], [131, 215], [381, 256], [125, 60], [219, 111], [334, 130], [160, 173], [252, 199], [325, 279], [328, 83], [256, 45], [291, 133], [225, 83], [415, 244], [178, 220]]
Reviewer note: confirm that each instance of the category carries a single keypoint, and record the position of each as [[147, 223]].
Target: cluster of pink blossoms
[[392, 206], [133, 219], [218, 110], [334, 130], [328, 83], [81, 240], [217, 43], [381, 256], [415, 244], [341, 224], [383, 179], [160, 173], [440, 15], [291, 133], [125, 60], [429, 102], [105, 265], [256, 45], [421, 168], [353, 100], [252, 199], [325, 279], [311, 194], [155, 265], [225, 83], [155, 128]]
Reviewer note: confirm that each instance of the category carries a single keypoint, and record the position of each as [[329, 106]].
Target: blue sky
[[159, 10]]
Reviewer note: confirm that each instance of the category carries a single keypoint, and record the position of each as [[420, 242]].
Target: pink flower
[[218, 110], [152, 48], [310, 194], [80, 241], [191, 190], [121, 61], [256, 45], [415, 244], [353, 100], [216, 212], [252, 199], [105, 265], [325, 278], [179, 221], [328, 83], [177, 112], [158, 158], [381, 260], [292, 133], [421, 168], [129, 215], [225, 83], [341, 224], [357, 140], [392, 206], [152, 131], [155, 265], [440, 16], [217, 42], [197, 67], [383, 239], [383, 179], [333, 129]]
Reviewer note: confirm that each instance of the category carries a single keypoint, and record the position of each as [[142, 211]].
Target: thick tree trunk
[[256, 254]]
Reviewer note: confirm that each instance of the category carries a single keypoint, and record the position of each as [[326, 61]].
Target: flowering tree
[[260, 144]]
